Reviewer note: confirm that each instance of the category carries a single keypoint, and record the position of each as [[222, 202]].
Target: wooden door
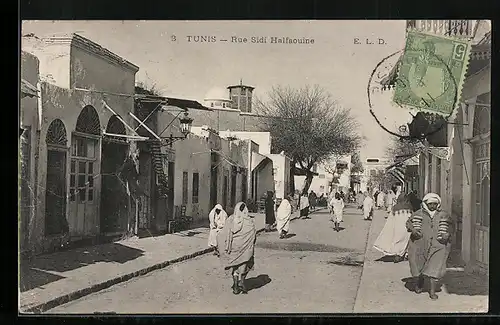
[[481, 201], [83, 199]]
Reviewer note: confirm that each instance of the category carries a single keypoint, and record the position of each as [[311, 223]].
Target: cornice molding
[[92, 48]]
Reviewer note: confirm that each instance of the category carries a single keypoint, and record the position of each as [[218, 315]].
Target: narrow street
[[315, 270]]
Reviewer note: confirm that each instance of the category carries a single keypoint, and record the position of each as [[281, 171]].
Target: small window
[[373, 172], [212, 104], [321, 175], [372, 160], [196, 184]]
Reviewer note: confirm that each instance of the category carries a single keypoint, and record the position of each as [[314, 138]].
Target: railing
[[454, 28]]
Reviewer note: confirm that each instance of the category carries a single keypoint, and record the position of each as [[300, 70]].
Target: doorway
[[85, 175], [55, 190], [114, 206]]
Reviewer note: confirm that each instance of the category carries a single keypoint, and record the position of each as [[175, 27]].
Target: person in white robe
[[304, 205], [381, 200], [368, 206], [283, 217], [217, 219], [394, 237], [390, 201], [337, 207]]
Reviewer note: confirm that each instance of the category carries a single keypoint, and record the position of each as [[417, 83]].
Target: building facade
[[458, 169], [372, 167], [28, 155], [77, 105]]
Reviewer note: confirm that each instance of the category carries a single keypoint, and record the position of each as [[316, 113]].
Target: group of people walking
[[422, 232], [233, 237], [418, 230]]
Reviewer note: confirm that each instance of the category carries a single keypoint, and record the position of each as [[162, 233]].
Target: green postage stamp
[[432, 73]]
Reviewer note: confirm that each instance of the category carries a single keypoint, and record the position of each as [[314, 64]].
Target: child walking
[[337, 208]]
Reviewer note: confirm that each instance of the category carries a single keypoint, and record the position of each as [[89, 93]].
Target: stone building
[[84, 91], [456, 162], [28, 155]]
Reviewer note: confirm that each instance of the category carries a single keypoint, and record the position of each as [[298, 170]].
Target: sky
[[184, 69]]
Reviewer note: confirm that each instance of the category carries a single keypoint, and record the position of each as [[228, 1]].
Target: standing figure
[[368, 205], [236, 244], [283, 217], [217, 219], [394, 237], [337, 207], [270, 217], [312, 200], [430, 243], [359, 200], [381, 200], [304, 205], [390, 201]]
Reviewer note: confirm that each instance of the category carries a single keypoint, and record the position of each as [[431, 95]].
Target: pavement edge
[[40, 308], [369, 234]]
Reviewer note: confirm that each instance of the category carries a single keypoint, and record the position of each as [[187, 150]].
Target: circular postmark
[[389, 92]]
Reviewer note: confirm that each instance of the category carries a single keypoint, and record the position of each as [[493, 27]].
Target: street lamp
[[186, 123]]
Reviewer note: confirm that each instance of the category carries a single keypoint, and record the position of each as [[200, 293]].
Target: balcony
[[453, 28]]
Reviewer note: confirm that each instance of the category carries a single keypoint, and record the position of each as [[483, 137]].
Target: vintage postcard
[[250, 167]]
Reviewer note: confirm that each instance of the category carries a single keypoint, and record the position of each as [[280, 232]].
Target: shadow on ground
[[461, 283], [290, 236], [257, 282], [410, 284], [33, 278], [302, 246], [33, 273], [389, 259], [456, 283]]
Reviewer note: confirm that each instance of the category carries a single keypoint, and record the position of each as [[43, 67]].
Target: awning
[[184, 104], [406, 161], [398, 172], [27, 89]]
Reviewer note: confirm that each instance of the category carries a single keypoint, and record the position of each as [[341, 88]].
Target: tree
[[308, 125], [357, 165], [399, 147], [382, 180]]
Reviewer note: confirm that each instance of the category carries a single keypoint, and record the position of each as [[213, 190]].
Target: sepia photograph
[[254, 167]]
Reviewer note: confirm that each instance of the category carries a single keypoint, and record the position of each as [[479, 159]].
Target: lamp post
[[186, 123]]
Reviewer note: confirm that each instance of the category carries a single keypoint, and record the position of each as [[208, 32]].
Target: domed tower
[[217, 98], [241, 97]]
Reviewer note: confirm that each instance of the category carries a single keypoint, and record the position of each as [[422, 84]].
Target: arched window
[[482, 115], [115, 126], [88, 121], [56, 134]]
